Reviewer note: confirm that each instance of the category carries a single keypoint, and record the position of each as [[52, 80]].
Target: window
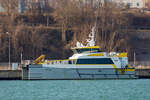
[[130, 4], [95, 61], [87, 49], [138, 4]]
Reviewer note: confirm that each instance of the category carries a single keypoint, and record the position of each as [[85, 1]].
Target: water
[[75, 90]]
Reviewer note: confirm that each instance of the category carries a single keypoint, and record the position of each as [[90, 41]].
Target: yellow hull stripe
[[98, 54], [94, 64], [123, 71]]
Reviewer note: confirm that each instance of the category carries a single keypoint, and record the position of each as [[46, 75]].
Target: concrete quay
[[143, 73], [10, 74], [18, 75]]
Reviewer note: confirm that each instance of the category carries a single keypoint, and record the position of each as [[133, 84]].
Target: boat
[[87, 62]]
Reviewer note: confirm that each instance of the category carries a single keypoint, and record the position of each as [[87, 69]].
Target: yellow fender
[[40, 60]]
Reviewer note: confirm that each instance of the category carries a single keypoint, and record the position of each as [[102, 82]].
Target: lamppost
[[9, 46], [21, 58]]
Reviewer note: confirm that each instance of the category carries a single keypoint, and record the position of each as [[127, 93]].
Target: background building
[[123, 3], [42, 5], [130, 3], [1, 9], [147, 4]]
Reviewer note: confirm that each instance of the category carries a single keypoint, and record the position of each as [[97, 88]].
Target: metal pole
[[47, 20], [9, 46], [9, 50], [21, 57], [134, 59]]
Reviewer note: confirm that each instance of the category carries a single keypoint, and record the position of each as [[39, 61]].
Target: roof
[[92, 47]]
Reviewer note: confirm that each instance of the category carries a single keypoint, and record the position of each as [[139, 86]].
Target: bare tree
[[61, 15], [76, 20], [110, 22], [72, 14]]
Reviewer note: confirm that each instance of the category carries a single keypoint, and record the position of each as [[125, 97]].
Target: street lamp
[[9, 46]]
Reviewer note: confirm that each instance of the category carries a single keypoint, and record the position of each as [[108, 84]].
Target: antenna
[[91, 41]]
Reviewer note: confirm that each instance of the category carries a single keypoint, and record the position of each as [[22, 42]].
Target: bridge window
[[95, 61], [88, 49]]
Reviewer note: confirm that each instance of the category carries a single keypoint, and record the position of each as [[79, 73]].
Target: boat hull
[[39, 72]]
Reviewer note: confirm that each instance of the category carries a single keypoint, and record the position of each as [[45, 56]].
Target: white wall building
[[124, 3], [131, 3]]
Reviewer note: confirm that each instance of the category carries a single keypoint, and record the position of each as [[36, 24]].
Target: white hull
[[44, 72], [87, 62]]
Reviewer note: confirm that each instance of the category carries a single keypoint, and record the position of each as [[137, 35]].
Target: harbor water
[[75, 90]]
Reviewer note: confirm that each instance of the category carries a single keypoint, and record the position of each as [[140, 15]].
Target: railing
[[61, 62], [137, 64], [140, 64], [12, 66], [5, 66]]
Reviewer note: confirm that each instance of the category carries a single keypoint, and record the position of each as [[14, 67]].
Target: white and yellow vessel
[[87, 62]]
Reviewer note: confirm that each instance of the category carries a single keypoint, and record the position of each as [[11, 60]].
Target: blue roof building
[[1, 9], [34, 4], [21, 6]]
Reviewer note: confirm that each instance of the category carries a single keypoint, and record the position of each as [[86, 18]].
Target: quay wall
[[17, 74], [6, 72], [143, 73], [10, 74]]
